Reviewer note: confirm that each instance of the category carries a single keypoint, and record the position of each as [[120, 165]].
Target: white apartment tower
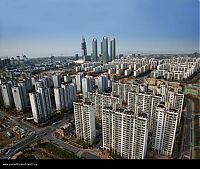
[[20, 99], [59, 98], [56, 80], [24, 90], [38, 84], [175, 101], [121, 90], [164, 130], [125, 133], [78, 80], [87, 85], [37, 107], [7, 95], [143, 102], [103, 83], [84, 115], [46, 101], [102, 100], [47, 81], [178, 105], [69, 94]]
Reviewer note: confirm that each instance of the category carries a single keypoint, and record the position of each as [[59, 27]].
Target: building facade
[[7, 95], [46, 101], [164, 130], [83, 47], [112, 49], [84, 114], [37, 107], [94, 50], [103, 83], [78, 80], [56, 80], [20, 99], [124, 133], [104, 50], [87, 85]]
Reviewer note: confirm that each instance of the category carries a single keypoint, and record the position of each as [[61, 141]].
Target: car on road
[[16, 150], [36, 136], [30, 133], [54, 123], [45, 133], [9, 150]]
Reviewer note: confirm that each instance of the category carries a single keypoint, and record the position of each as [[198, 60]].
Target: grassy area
[[59, 152], [26, 156], [82, 143], [46, 150], [197, 154]]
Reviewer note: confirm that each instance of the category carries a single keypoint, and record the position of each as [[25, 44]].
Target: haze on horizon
[[45, 27]]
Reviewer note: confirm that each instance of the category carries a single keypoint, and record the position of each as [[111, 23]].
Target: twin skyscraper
[[104, 56]]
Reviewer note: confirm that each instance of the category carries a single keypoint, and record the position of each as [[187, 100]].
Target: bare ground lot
[[46, 150]]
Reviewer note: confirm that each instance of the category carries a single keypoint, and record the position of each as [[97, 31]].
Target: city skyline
[[143, 107], [42, 28]]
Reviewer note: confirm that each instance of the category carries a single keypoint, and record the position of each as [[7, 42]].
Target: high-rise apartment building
[[1, 98], [56, 80], [78, 80], [125, 133], [67, 78], [59, 99], [178, 105], [175, 101], [65, 96], [87, 85], [46, 82], [7, 95], [38, 84], [28, 84], [24, 91], [94, 50], [140, 101], [84, 115], [121, 90], [37, 107], [144, 102], [112, 49], [20, 98], [164, 130], [103, 83], [70, 94], [102, 100], [104, 50], [46, 101], [83, 47]]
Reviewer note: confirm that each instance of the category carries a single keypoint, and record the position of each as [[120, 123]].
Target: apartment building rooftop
[[142, 114], [161, 106], [128, 112]]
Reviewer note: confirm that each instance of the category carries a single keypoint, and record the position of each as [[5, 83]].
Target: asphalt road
[[45, 133], [187, 129]]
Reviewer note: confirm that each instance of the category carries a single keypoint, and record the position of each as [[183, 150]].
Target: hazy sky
[[45, 27]]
